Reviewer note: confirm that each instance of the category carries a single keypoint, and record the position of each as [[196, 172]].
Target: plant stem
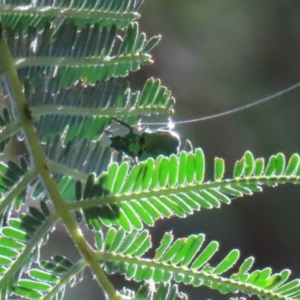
[[39, 161]]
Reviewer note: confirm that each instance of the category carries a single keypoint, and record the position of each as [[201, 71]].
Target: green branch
[[9, 130], [40, 162], [211, 279], [59, 168], [65, 279], [29, 248], [66, 11], [39, 111], [17, 189], [184, 189], [77, 62]]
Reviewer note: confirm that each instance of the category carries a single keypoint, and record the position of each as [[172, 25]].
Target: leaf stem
[[59, 168], [17, 189], [9, 130], [67, 12], [40, 163], [114, 199], [43, 110]]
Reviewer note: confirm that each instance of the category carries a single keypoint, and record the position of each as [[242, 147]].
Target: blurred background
[[214, 56]]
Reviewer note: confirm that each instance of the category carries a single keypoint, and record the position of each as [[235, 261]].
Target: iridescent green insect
[[145, 143]]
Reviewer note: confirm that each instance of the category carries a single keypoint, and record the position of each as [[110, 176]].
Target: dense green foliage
[[64, 68]]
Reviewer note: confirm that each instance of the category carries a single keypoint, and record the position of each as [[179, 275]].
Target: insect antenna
[[171, 124]]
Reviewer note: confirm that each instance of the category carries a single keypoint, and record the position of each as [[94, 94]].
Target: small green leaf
[[205, 255], [193, 249], [145, 246], [150, 209], [271, 282], [239, 168], [161, 207], [52, 267], [284, 289], [199, 165], [278, 281], [173, 250], [144, 96], [139, 43], [219, 169], [163, 172], [130, 181], [28, 293], [190, 168], [293, 165], [210, 198], [271, 166], [165, 243], [148, 274], [158, 275], [45, 208], [220, 196], [141, 238], [182, 168], [155, 175], [5, 261], [11, 243], [246, 265], [265, 273], [15, 234], [138, 182], [6, 115], [4, 251], [37, 213], [147, 174], [243, 189], [172, 206], [249, 164], [111, 176], [21, 225], [231, 191], [183, 205], [110, 236], [227, 262], [180, 255], [167, 276], [78, 190], [143, 213], [43, 276], [200, 200], [29, 221], [120, 178], [280, 164], [173, 173], [189, 201], [259, 167], [139, 274], [131, 271], [99, 240], [252, 278], [129, 239], [116, 243], [90, 182], [131, 215], [34, 285], [151, 43]]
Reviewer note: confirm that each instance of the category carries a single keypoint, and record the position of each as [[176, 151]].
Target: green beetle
[[145, 143]]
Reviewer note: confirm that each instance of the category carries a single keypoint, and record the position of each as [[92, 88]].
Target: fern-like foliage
[[63, 69]]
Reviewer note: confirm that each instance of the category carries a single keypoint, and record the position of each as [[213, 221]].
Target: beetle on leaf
[[145, 144]]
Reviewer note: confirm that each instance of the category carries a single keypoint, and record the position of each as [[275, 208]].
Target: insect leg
[[189, 145], [124, 124], [109, 133]]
